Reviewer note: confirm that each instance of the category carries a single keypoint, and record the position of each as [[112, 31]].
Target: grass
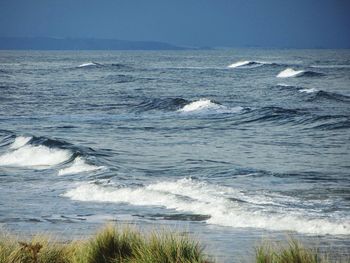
[[292, 252], [110, 245], [114, 244]]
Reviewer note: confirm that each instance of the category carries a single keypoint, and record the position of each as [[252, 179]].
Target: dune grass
[[292, 252], [114, 244], [110, 245]]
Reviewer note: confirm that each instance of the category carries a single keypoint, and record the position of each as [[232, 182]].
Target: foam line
[[218, 202]]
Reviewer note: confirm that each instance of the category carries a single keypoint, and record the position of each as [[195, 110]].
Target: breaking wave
[[208, 106], [223, 206], [20, 141], [79, 166], [201, 106], [317, 94], [93, 64], [249, 64], [291, 73], [311, 90], [90, 64], [41, 153], [34, 156]]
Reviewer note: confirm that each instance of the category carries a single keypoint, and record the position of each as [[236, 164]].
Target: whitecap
[[249, 64], [284, 85], [239, 64], [79, 166], [208, 106], [311, 90], [89, 64], [191, 196], [34, 156], [19, 142], [290, 73]]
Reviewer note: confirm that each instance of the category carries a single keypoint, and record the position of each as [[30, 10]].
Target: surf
[[34, 156], [42, 153], [218, 203]]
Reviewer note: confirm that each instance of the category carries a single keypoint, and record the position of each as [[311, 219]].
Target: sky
[[195, 23]]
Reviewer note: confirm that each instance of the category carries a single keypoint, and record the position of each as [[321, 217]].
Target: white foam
[[89, 64], [239, 64], [330, 66], [249, 64], [186, 195], [311, 90], [79, 166], [34, 156], [207, 106], [284, 85], [19, 142], [290, 73]]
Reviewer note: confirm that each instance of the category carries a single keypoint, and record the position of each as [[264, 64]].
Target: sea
[[233, 147]]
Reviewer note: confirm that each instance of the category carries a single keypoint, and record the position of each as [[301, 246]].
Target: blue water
[[231, 146]]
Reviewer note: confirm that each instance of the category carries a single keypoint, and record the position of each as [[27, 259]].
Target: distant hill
[[47, 43]]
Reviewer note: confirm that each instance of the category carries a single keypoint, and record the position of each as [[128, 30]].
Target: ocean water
[[231, 146]]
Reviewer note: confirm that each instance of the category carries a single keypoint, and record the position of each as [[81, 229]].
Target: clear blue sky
[[268, 23]]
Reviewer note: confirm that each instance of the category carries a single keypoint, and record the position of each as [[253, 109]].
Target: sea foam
[[290, 73], [89, 64], [19, 142], [248, 63], [79, 166], [207, 106], [239, 64], [218, 202], [34, 156], [311, 90]]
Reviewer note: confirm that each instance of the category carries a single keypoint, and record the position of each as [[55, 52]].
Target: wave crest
[[79, 166], [208, 106], [249, 64], [42, 153], [35, 156], [291, 73], [89, 64], [19, 142]]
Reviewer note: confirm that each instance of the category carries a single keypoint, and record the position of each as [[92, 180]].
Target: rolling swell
[[313, 94], [304, 118], [331, 96], [273, 114], [183, 106], [93, 64], [165, 104]]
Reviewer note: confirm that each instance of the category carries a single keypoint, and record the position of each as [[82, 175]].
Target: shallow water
[[232, 146]]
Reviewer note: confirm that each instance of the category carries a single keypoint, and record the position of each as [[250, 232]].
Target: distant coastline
[[48, 43], [52, 43]]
